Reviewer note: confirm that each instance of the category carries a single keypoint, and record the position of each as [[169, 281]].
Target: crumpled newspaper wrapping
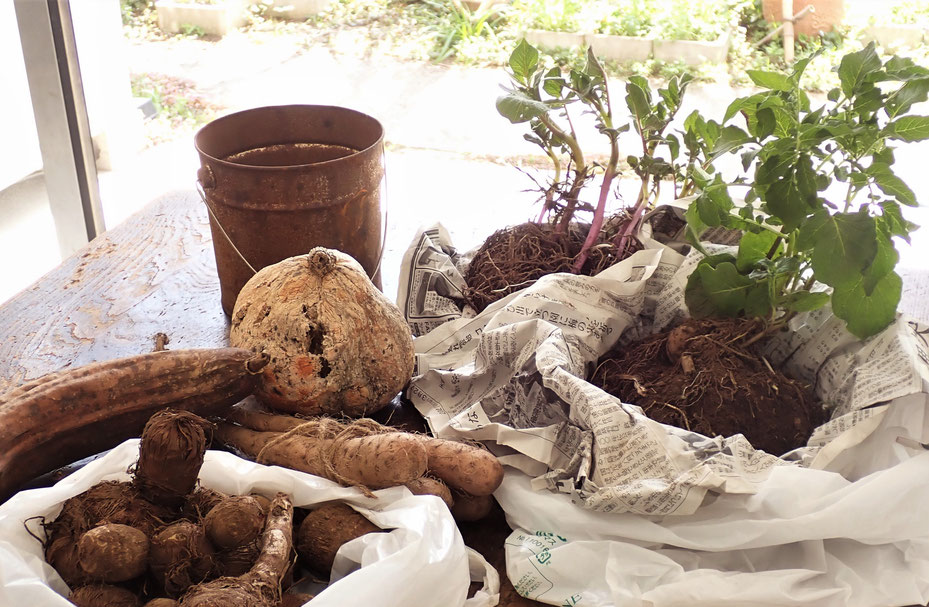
[[421, 561], [831, 523]]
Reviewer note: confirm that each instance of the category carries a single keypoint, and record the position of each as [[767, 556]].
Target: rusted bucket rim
[[221, 119]]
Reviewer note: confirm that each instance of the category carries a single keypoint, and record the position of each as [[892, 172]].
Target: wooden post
[[787, 14]]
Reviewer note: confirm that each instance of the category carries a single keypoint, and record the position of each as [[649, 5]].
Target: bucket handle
[[206, 181]]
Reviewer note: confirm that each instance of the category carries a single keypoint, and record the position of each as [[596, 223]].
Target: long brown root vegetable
[[469, 508], [375, 461], [161, 602], [261, 586], [236, 521], [103, 595], [170, 455], [426, 485], [69, 415], [325, 529], [113, 553], [467, 467], [337, 345], [180, 557]]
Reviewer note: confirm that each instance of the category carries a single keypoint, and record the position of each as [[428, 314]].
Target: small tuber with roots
[[234, 522], [337, 344], [113, 553], [180, 557], [261, 586]]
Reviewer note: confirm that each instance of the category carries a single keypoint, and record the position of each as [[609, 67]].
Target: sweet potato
[[468, 467], [103, 595], [337, 345], [261, 586], [180, 557], [325, 529], [235, 521], [113, 553], [426, 485], [170, 455], [375, 461], [72, 414]]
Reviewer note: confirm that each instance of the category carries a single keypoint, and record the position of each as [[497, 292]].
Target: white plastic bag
[[422, 561]]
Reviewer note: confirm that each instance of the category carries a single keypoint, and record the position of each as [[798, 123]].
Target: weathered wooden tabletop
[[156, 273]]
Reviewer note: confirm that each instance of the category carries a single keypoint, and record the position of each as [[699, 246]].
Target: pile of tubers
[[312, 337], [160, 541]]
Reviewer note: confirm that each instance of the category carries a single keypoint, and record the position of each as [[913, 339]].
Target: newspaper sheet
[[514, 376]]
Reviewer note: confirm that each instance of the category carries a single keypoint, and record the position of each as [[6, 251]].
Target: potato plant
[[797, 233], [543, 97]]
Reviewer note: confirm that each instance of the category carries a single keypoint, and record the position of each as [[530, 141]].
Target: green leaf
[[909, 128], [903, 68], [914, 91], [804, 301], [892, 185], [885, 260], [865, 314], [854, 68], [833, 95], [695, 227], [517, 107], [806, 180], [764, 124], [714, 204], [771, 80], [784, 200], [717, 291], [637, 99], [758, 302], [593, 67], [891, 220], [553, 83], [844, 246], [868, 100], [753, 248], [523, 60], [730, 138]]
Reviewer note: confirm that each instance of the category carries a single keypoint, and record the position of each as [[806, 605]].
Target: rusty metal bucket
[[280, 180]]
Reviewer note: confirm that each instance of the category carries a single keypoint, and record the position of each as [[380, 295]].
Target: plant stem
[[600, 212]]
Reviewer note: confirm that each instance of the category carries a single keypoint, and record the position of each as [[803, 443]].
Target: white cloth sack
[[422, 561]]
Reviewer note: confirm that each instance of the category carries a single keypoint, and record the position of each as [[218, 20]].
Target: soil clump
[[708, 377]]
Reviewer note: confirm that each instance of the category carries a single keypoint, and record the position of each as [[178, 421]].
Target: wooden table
[[156, 273]]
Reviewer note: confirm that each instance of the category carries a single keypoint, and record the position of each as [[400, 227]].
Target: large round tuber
[[113, 553], [234, 522], [337, 344], [325, 529]]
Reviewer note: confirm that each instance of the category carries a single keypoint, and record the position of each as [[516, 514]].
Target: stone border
[[631, 48], [219, 19]]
